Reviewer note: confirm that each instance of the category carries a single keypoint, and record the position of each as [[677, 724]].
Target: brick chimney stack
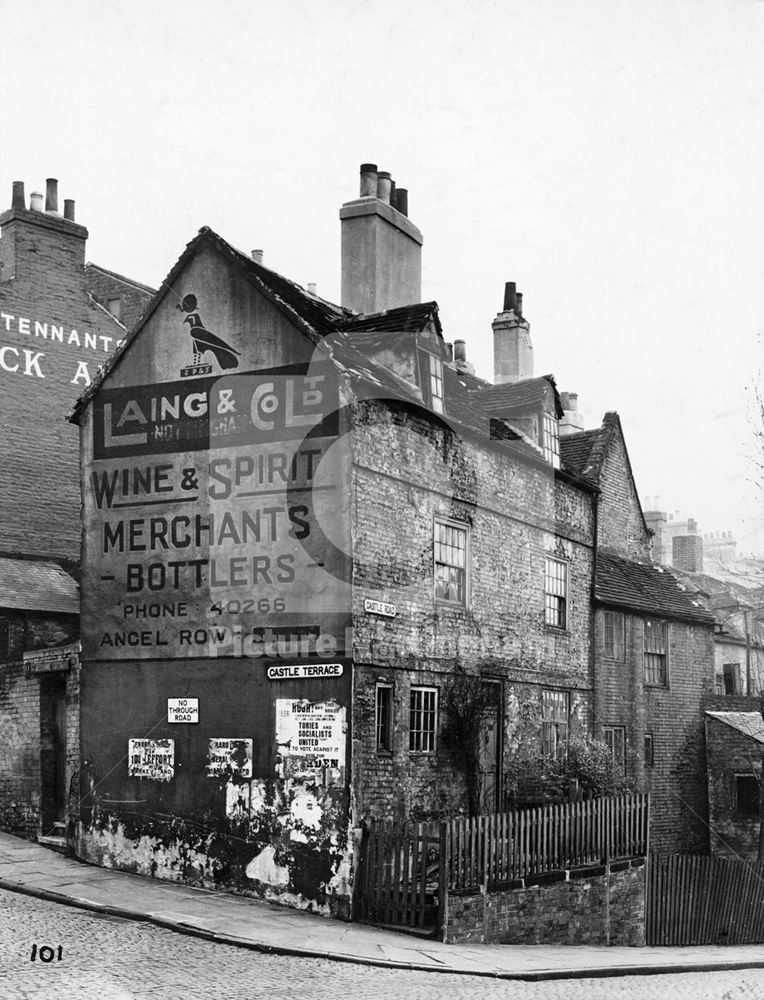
[[31, 239], [512, 348], [381, 248]]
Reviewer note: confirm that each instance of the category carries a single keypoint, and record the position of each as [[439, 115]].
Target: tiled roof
[[516, 397], [644, 587], [749, 724], [584, 453], [344, 335], [29, 585], [404, 319], [576, 450]]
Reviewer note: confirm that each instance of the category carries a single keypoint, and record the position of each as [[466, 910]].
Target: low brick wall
[[581, 906]]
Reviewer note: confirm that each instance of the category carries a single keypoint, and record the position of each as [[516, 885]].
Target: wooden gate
[[694, 899], [400, 874]]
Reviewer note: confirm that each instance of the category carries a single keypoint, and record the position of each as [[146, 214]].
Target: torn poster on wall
[[151, 759], [229, 756], [310, 736]]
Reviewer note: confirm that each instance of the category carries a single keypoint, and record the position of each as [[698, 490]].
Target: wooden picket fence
[[704, 900], [486, 850], [407, 869]]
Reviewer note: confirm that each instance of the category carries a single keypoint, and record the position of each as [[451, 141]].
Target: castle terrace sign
[[292, 671]]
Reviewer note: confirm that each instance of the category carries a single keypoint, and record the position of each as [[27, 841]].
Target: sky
[[606, 155]]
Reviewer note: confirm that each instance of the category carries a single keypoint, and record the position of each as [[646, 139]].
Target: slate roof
[[646, 588], [29, 585], [510, 398], [749, 724]]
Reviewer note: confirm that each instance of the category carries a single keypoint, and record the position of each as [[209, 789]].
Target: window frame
[[555, 731], [617, 760], [609, 639], [417, 732], [460, 526], [649, 750], [5, 638], [648, 665], [435, 382], [561, 611], [383, 745], [550, 439], [746, 812], [733, 673]]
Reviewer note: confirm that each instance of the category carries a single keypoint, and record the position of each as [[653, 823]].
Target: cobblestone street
[[105, 958]]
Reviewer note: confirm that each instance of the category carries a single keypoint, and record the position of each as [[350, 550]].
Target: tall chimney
[[69, 209], [381, 248], [18, 199], [572, 421], [51, 195], [512, 348]]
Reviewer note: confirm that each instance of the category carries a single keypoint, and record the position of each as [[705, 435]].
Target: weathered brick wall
[[728, 754], [580, 907], [106, 286], [674, 716], [20, 774], [620, 522], [20, 740], [41, 288], [407, 470]]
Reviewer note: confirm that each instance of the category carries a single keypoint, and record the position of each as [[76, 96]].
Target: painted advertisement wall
[[216, 601]]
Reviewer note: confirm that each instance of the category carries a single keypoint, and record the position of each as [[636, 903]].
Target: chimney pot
[[510, 295], [402, 200], [312, 287], [257, 256], [460, 350], [384, 183], [69, 209], [368, 180], [519, 306], [51, 195], [393, 195], [18, 200], [35, 201]]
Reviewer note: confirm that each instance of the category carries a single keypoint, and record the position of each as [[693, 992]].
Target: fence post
[[444, 878]]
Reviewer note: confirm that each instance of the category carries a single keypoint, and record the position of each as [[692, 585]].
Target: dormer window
[[551, 440], [435, 373]]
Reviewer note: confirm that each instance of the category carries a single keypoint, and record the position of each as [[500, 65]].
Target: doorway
[[53, 748]]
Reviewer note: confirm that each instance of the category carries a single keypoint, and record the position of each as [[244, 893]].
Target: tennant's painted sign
[[216, 518], [37, 347]]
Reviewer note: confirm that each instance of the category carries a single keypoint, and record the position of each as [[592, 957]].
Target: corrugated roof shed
[[646, 588], [29, 585]]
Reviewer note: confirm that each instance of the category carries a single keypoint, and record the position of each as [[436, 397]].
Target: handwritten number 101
[[46, 953]]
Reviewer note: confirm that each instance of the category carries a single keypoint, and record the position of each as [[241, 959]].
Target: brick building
[[735, 749], [305, 526], [653, 649], [54, 334]]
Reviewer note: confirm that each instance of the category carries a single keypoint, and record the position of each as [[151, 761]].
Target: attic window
[[435, 386], [551, 440]]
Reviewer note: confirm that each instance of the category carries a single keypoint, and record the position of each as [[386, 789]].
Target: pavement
[[35, 870]]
